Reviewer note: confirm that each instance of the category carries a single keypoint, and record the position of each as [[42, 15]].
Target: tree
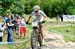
[[27, 7], [52, 8], [15, 6], [1, 9]]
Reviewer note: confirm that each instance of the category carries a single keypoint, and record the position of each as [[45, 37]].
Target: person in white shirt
[[2, 27], [40, 16]]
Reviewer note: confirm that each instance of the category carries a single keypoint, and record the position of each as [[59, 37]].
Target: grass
[[25, 44], [67, 31]]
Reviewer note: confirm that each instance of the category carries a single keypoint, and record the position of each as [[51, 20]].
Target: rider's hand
[[43, 21], [26, 22]]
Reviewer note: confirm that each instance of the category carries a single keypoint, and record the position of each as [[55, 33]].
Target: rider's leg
[[42, 33]]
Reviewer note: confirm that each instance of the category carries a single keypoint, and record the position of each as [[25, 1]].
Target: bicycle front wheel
[[34, 40], [40, 39]]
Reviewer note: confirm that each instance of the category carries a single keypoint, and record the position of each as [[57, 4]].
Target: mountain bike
[[36, 38]]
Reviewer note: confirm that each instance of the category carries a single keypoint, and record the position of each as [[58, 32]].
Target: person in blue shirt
[[5, 19], [10, 31]]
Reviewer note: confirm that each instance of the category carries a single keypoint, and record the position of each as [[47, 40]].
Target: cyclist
[[39, 15]]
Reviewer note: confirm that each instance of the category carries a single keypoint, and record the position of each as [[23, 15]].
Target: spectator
[[13, 19], [10, 32], [18, 25], [61, 17], [5, 18], [2, 27], [22, 27]]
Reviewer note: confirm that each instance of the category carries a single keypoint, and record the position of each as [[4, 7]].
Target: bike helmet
[[36, 7]]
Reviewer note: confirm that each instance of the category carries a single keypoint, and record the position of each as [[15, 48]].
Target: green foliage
[[56, 9], [1, 9], [15, 6], [52, 8], [27, 7], [71, 11]]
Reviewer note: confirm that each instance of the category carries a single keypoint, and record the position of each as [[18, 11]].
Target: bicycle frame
[[36, 36]]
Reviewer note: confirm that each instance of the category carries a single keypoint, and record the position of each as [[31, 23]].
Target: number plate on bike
[[34, 24]]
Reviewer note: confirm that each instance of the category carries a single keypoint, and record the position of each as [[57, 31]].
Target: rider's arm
[[44, 15], [29, 18]]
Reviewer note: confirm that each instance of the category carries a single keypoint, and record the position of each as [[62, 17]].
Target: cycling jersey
[[39, 16]]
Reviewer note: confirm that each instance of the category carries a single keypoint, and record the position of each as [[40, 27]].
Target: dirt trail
[[56, 41]]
